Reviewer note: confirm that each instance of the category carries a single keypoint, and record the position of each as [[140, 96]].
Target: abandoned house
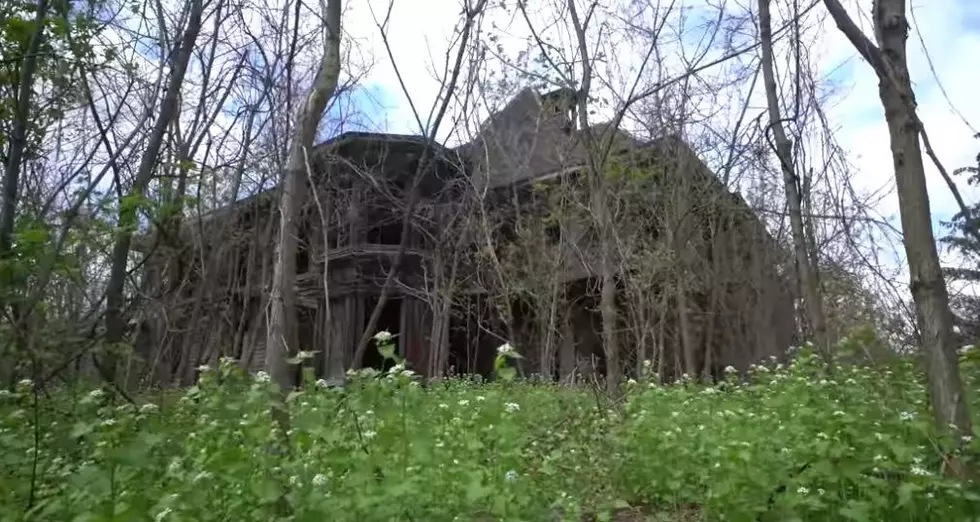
[[483, 257]]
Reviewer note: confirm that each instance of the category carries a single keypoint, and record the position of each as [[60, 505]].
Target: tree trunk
[[18, 138], [115, 322], [937, 342], [282, 335], [806, 272]]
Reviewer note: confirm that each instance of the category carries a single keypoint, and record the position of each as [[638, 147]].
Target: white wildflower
[[966, 349], [839, 413], [109, 422], [203, 368], [464, 402], [96, 393], [322, 383], [730, 369], [511, 407], [261, 376], [148, 408], [370, 434], [383, 336], [920, 471], [480, 398], [320, 480], [162, 515], [907, 415], [25, 383], [802, 490], [505, 349], [511, 476]]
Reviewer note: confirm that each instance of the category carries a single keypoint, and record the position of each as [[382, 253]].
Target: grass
[[789, 443]]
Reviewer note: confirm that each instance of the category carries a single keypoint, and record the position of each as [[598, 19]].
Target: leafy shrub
[[792, 442]]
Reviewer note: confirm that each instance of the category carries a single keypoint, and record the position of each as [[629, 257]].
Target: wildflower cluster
[[781, 441]]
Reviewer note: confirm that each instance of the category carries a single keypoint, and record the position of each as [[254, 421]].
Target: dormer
[[561, 104]]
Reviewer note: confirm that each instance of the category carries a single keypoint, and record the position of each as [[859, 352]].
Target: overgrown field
[[792, 443]]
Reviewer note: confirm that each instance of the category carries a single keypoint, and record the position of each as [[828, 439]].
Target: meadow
[[792, 441]]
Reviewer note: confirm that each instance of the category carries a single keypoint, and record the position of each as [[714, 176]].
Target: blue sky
[[950, 29], [362, 108]]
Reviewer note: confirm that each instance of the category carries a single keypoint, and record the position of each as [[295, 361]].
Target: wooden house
[[377, 200]]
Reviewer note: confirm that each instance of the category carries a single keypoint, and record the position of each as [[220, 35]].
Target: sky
[[399, 79], [945, 89], [943, 45]]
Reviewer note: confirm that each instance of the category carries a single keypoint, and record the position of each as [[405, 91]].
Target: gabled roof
[[535, 135]]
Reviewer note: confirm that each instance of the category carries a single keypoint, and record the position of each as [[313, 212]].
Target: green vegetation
[[789, 442]]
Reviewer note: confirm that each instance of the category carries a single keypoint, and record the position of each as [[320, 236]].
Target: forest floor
[[785, 442]]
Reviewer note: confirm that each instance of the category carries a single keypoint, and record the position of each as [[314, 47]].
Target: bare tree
[[889, 60], [282, 334], [806, 270], [115, 321], [454, 67]]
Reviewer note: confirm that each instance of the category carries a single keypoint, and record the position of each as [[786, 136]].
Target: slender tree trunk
[[600, 205], [18, 138], [938, 344], [115, 322], [806, 272], [281, 335]]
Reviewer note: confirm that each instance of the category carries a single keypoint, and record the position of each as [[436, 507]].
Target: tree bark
[[281, 335], [115, 322], [600, 205], [806, 271], [18, 138], [937, 343]]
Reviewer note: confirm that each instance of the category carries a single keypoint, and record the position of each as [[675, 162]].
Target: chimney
[[561, 104]]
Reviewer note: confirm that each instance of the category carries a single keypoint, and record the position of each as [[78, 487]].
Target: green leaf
[[906, 492], [81, 429], [857, 511], [507, 374], [387, 350], [267, 490]]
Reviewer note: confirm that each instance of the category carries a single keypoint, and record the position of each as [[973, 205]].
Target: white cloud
[[854, 112]]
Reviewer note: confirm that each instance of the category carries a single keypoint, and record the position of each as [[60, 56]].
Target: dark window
[[553, 232], [387, 234]]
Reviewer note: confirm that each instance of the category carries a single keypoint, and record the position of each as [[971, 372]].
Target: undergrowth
[[792, 442]]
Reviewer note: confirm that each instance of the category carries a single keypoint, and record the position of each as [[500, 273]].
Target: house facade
[[467, 251]]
